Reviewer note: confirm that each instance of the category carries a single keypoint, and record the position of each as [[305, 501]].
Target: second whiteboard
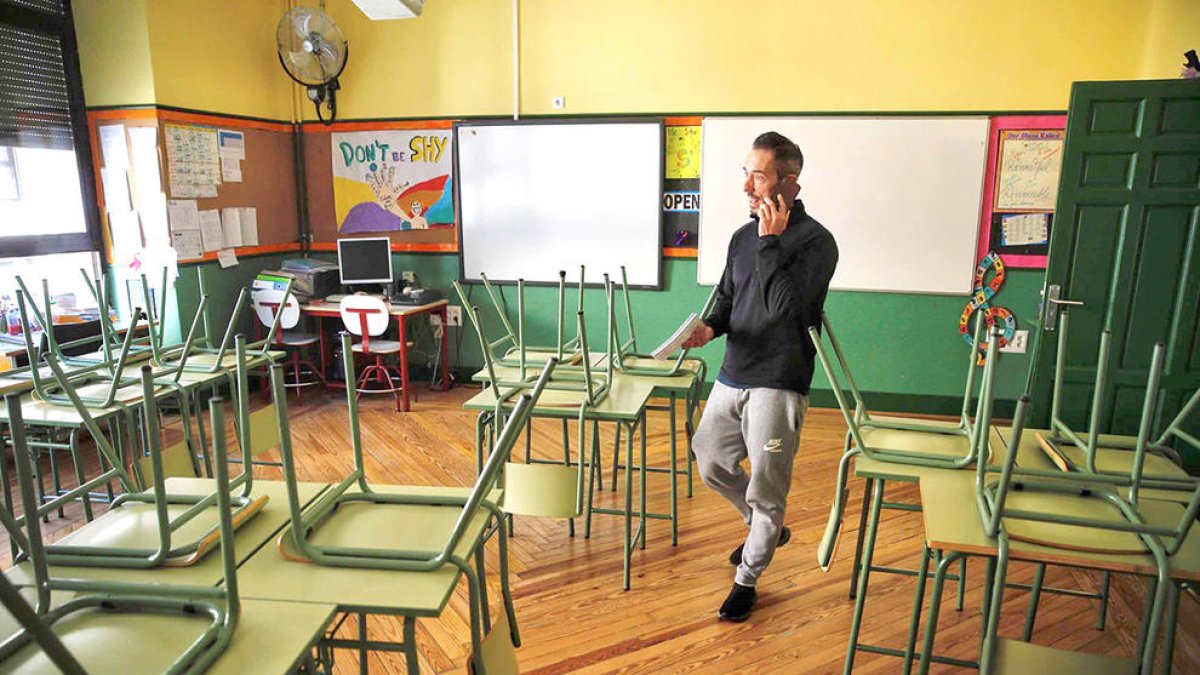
[[900, 194]]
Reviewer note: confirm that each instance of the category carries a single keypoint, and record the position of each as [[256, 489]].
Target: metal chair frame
[[220, 603]]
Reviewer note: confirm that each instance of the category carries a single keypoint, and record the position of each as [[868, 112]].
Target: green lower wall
[[905, 348]]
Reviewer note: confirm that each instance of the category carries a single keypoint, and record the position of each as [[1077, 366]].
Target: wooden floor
[[574, 617]]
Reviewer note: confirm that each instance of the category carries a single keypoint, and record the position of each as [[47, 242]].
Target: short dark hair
[[788, 158]]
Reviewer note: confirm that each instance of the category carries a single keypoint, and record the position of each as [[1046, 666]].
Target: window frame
[[91, 239]]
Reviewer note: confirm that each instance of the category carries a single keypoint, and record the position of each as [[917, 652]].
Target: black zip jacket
[[772, 290]]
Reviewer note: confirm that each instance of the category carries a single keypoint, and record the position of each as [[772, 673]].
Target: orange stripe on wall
[[682, 121], [670, 252], [317, 127], [222, 121]]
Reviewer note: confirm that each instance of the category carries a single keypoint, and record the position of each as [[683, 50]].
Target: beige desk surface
[[1031, 455], [951, 446], [271, 637], [680, 382], [135, 525], [952, 523], [627, 397], [268, 575]]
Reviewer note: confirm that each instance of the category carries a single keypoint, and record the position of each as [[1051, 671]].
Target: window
[[47, 190]]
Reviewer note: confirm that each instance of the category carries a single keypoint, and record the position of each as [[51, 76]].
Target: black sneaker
[[735, 558], [739, 604]]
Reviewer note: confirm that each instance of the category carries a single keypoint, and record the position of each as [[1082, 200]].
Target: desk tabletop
[[1031, 455], [330, 309], [135, 525], [952, 523], [626, 399], [271, 637], [270, 576], [941, 444]]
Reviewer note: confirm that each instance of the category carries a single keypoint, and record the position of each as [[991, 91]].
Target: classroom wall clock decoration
[[313, 52]]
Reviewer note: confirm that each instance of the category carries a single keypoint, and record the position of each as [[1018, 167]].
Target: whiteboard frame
[[558, 121], [780, 122]]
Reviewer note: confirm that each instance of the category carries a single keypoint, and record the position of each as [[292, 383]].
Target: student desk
[[625, 406], [271, 637], [876, 474], [134, 525], [953, 526], [270, 576], [327, 310]]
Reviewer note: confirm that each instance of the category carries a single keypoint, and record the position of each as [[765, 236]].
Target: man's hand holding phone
[[773, 211]]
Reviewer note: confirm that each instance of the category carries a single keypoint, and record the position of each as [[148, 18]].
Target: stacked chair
[[1108, 508], [541, 488], [79, 625], [335, 530]]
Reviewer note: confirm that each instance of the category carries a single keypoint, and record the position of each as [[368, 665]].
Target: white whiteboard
[[536, 198], [901, 195]]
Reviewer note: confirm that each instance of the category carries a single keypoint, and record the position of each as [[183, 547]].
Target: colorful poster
[[385, 181], [683, 152]]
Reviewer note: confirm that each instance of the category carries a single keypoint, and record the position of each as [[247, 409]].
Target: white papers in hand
[[678, 338]]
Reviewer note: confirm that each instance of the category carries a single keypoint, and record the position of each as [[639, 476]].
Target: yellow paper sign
[[683, 152]]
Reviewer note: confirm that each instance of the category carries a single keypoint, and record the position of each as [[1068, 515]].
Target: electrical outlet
[[1018, 344], [410, 277], [558, 102], [454, 315]]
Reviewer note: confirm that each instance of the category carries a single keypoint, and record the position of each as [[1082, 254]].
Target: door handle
[[1050, 308]]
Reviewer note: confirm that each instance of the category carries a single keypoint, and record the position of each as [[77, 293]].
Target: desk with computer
[[370, 303], [365, 266]]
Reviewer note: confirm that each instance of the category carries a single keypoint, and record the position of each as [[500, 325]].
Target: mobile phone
[[788, 188]]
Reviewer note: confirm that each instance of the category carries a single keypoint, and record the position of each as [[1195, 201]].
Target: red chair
[[266, 302], [367, 316]]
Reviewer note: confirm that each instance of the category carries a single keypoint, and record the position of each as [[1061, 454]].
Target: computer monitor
[[365, 261]]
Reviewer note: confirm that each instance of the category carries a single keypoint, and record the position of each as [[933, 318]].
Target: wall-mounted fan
[[313, 51]]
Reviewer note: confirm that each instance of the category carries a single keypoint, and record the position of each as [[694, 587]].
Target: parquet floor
[[574, 617]]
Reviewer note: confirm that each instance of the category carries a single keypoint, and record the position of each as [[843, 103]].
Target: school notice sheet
[[678, 338]]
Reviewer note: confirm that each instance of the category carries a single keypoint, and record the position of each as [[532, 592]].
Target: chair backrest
[[266, 302], [364, 315]]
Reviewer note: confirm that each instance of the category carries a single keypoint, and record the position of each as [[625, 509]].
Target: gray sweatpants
[[764, 425]]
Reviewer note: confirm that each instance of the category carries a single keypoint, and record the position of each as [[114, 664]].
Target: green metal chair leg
[[616, 463], [483, 594], [628, 544], [918, 600], [962, 584], [674, 483], [864, 577], [1172, 624], [410, 645], [935, 604], [987, 653], [1035, 595], [858, 545], [642, 479], [1102, 614]]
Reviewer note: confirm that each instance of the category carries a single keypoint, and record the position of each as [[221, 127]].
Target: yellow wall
[[219, 56], [454, 60], [620, 56], [632, 56], [114, 52], [1173, 28]]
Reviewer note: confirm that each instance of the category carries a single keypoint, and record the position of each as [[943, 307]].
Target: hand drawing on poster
[[392, 180]]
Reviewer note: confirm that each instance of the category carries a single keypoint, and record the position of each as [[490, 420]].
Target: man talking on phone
[[773, 288]]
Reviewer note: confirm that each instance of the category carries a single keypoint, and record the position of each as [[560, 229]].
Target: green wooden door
[[1126, 243]]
